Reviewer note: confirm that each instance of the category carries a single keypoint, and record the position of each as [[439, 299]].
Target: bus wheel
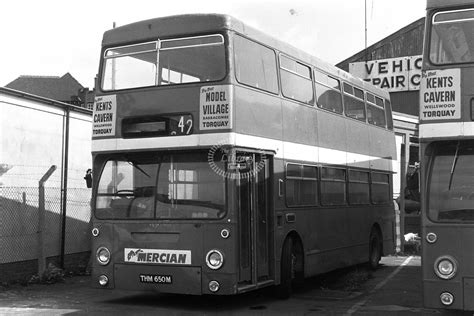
[[375, 249], [287, 269]]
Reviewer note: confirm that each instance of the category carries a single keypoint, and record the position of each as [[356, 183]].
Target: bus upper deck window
[[164, 62]]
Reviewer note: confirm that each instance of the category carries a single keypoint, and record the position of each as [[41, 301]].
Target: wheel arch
[[298, 242], [376, 229]]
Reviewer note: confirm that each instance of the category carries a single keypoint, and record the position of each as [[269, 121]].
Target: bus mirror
[[88, 178]]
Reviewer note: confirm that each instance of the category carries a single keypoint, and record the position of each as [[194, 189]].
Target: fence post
[[41, 217]]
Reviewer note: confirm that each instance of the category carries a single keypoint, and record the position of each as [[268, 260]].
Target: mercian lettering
[[156, 257]]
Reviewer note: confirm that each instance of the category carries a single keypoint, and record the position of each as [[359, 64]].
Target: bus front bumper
[[165, 279], [462, 293]]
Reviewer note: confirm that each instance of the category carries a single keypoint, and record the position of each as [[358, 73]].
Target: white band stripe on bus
[[282, 149], [434, 130]]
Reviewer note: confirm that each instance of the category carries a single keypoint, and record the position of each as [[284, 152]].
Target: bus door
[[253, 183]]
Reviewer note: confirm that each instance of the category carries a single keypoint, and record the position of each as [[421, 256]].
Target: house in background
[[64, 89]]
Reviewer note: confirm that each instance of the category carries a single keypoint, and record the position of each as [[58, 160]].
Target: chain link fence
[[19, 215]]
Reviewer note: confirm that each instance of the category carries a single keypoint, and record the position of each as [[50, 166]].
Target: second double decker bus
[[447, 155], [226, 161]]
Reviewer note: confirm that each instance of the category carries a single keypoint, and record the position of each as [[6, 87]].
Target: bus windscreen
[[451, 182], [154, 186]]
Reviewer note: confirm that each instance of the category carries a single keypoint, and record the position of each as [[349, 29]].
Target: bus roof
[[433, 4], [194, 24]]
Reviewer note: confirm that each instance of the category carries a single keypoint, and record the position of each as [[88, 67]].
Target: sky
[[53, 37]]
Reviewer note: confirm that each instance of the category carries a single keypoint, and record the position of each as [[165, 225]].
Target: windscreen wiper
[[134, 164], [455, 161]]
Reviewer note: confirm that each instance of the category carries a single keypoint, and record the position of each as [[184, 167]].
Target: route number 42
[[185, 125]]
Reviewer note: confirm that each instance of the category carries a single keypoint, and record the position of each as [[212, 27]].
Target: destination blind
[[215, 107], [440, 95], [103, 116]]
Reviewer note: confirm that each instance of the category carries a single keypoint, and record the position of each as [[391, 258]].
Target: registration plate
[[156, 278]]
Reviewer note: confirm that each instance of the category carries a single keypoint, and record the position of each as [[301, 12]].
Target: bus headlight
[[214, 259], [445, 267], [103, 256]]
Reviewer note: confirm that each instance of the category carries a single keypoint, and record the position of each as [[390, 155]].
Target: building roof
[[4, 92], [55, 88], [408, 41]]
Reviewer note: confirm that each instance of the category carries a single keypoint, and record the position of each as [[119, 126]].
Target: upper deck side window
[[163, 62], [296, 80], [255, 65], [354, 104], [452, 37], [375, 110], [328, 92]]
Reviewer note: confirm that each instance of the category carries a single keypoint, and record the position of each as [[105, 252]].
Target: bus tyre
[[287, 270], [375, 249]]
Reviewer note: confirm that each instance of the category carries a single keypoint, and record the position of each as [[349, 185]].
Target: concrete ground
[[394, 289]]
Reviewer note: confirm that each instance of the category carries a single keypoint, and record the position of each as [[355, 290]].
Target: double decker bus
[[225, 160], [447, 155]]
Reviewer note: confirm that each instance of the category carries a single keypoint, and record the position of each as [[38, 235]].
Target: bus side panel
[[332, 134], [299, 126], [358, 144], [257, 114], [330, 242], [467, 93], [382, 144]]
